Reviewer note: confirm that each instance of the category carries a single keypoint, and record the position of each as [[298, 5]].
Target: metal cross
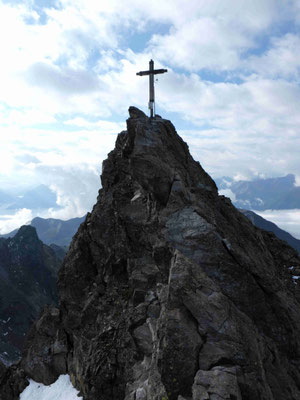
[[151, 74]]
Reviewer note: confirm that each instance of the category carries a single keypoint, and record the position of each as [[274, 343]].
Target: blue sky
[[68, 75]]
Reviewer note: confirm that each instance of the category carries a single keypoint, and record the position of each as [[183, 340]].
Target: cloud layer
[[67, 77]]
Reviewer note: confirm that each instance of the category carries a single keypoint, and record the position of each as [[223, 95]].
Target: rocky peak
[[167, 291], [156, 159], [26, 236], [26, 232]]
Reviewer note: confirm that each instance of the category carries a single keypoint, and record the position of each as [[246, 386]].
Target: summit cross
[[151, 74]]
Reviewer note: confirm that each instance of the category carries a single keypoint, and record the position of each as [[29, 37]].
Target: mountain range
[[53, 231], [262, 194]]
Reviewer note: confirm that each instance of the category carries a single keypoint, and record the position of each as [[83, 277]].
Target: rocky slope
[[167, 291], [28, 271]]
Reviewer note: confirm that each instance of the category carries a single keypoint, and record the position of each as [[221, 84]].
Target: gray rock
[[136, 113], [220, 383], [45, 354]]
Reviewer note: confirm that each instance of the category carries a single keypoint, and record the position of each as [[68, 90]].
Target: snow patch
[[62, 389]]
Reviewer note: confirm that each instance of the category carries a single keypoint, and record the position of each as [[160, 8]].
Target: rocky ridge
[[167, 291]]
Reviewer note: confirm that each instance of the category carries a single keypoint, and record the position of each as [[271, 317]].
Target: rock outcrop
[[167, 291]]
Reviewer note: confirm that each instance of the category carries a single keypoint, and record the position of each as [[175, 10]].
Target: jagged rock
[[45, 353], [12, 382], [167, 291], [220, 383], [136, 113]]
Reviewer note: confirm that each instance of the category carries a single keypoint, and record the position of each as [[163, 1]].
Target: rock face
[[167, 291], [28, 273]]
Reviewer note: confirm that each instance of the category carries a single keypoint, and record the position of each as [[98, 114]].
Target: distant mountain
[[28, 273], [40, 197], [54, 231], [263, 194], [262, 223]]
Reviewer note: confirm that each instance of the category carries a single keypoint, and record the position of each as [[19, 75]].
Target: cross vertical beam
[[151, 74], [151, 88]]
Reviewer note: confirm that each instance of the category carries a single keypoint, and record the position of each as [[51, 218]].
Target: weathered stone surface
[[45, 353], [167, 291], [12, 382], [220, 383]]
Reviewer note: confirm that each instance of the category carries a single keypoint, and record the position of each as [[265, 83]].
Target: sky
[[68, 75]]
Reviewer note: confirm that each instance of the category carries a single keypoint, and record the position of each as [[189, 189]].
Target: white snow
[[62, 389]]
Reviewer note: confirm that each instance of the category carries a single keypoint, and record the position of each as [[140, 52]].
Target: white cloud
[[76, 188], [297, 180], [253, 125], [65, 80], [106, 126], [9, 222], [74, 73], [281, 60], [25, 117], [215, 35], [202, 43]]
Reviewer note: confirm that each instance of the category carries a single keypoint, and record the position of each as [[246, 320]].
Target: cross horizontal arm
[[154, 72]]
